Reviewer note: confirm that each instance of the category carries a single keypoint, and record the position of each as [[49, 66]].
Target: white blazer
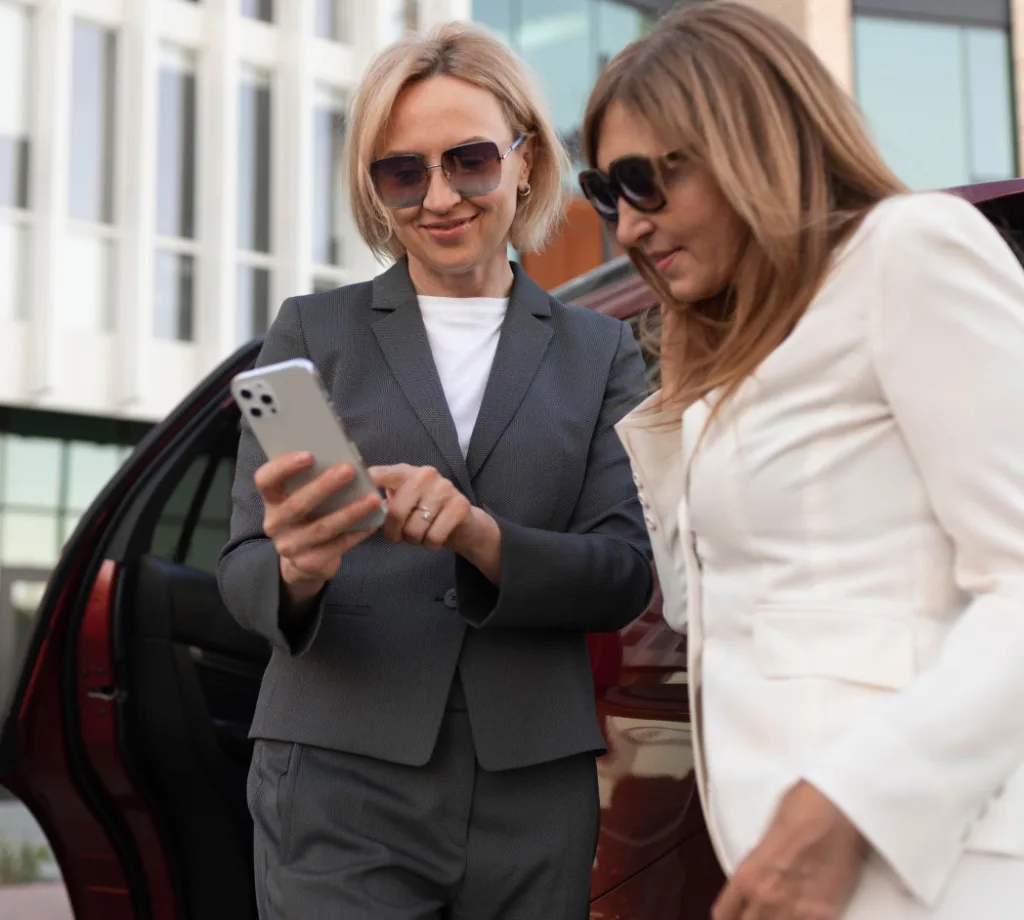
[[846, 551]]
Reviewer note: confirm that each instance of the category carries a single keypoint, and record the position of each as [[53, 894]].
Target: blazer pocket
[[853, 646]]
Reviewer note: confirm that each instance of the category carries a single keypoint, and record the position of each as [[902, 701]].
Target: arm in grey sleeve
[[249, 573], [597, 576]]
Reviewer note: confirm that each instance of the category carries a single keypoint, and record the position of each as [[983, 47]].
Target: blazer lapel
[[525, 335], [403, 340]]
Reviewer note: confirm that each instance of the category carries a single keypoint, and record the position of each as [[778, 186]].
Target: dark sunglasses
[[403, 181], [637, 179]]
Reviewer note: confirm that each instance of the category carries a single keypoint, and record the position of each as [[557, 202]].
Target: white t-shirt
[[463, 334]]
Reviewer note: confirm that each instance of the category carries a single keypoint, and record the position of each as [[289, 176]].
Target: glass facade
[[46, 484], [938, 98], [566, 43]]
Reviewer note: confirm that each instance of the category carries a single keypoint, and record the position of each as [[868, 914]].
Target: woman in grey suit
[[426, 733]]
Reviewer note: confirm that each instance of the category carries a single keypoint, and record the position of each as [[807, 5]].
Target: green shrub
[[24, 864]]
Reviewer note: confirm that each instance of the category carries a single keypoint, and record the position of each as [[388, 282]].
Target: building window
[[254, 115], [566, 43], [938, 98], [254, 193], [174, 283], [15, 147], [15, 51], [89, 269], [175, 258], [94, 68], [328, 201], [331, 20], [252, 286], [263, 10]]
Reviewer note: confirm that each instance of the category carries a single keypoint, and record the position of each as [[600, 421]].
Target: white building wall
[[126, 371]]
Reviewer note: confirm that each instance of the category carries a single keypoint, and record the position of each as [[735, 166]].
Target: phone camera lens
[[256, 412], [245, 394], [266, 399]]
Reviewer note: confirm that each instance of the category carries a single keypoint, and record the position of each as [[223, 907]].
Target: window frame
[[957, 12]]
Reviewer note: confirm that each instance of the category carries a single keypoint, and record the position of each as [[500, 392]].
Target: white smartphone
[[288, 409]]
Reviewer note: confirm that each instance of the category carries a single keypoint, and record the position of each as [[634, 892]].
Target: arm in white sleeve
[[946, 325]]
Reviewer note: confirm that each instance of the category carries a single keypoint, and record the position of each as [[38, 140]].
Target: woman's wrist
[[298, 593], [478, 541]]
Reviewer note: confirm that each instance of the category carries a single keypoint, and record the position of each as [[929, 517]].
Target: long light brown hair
[[470, 53], [740, 94]]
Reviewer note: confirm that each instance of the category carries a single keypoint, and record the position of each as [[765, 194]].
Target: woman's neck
[[491, 280]]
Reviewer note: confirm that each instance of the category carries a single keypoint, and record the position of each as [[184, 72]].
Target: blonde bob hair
[[741, 95], [470, 53]]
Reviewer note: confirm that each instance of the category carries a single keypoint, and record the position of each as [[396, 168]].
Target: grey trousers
[[344, 837]]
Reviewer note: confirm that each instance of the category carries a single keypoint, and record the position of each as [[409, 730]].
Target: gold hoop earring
[[524, 192]]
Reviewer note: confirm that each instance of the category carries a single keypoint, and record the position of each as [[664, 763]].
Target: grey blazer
[[372, 671]]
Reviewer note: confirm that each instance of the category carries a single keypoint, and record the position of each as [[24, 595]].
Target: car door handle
[[107, 694]]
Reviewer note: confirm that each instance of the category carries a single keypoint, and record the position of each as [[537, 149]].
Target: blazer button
[[451, 599], [650, 522]]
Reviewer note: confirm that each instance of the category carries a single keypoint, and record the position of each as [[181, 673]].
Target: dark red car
[[126, 731]]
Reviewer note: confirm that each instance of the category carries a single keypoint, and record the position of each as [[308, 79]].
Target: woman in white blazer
[[833, 476]]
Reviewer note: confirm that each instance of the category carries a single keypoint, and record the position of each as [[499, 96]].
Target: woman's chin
[[451, 260], [686, 288]]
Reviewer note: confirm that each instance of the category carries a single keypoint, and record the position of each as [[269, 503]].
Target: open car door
[[125, 731]]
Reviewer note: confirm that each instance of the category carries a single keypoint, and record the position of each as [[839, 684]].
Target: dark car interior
[[192, 674]]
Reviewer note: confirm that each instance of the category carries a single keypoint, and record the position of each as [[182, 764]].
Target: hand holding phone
[[318, 497], [310, 548]]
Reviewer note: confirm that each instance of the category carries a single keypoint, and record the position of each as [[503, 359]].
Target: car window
[[195, 522]]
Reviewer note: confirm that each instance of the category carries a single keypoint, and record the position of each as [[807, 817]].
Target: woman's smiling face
[[449, 235]]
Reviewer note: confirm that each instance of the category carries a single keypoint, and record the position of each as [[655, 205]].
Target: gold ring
[[426, 512]]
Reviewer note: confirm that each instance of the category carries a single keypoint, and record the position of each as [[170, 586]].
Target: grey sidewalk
[[44, 901]]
